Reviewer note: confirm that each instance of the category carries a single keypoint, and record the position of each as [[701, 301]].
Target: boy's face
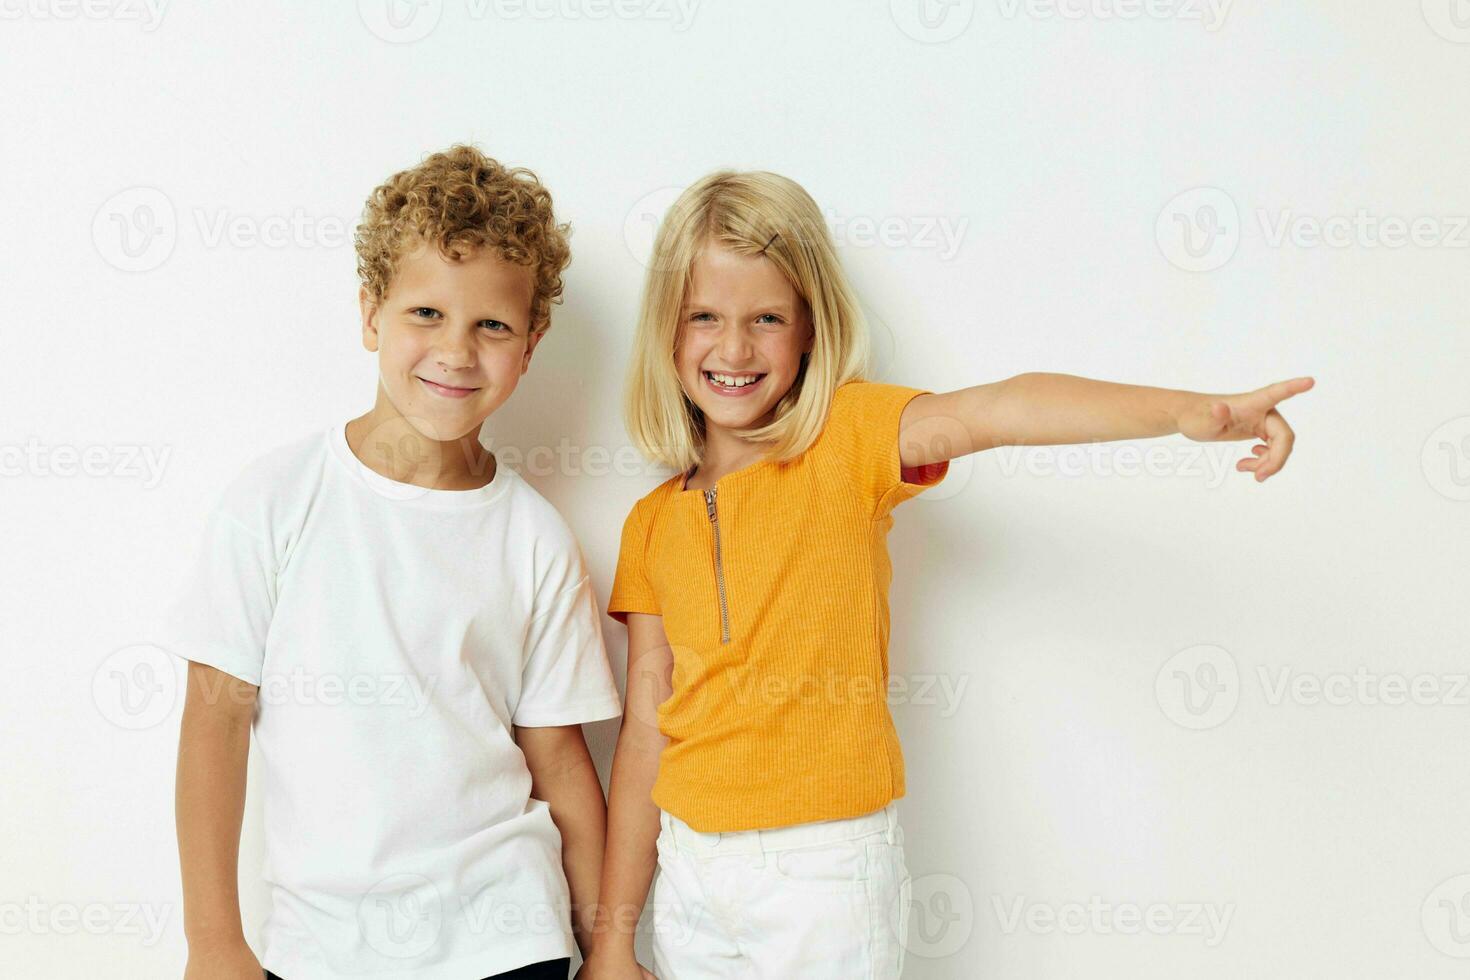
[[452, 338], [742, 322]]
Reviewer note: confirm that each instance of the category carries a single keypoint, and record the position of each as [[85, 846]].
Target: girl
[[757, 763]]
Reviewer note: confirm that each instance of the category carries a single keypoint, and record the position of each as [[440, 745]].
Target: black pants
[[548, 970]]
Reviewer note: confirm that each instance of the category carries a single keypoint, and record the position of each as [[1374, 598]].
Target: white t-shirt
[[397, 633]]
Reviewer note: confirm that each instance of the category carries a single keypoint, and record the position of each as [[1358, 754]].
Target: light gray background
[[1127, 191]]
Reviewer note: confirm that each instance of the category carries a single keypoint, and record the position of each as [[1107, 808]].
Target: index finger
[[1282, 390]]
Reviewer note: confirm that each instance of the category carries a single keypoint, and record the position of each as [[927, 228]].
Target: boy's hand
[[227, 961], [605, 964], [1253, 415]]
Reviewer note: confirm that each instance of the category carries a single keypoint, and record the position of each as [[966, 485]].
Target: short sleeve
[[566, 679], [223, 612], [631, 589], [862, 432]]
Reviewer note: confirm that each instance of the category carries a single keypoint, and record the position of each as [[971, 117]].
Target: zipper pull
[[709, 503]]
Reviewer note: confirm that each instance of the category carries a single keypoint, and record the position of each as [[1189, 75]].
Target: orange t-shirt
[[773, 588]]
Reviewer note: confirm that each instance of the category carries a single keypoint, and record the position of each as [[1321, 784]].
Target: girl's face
[[742, 331]]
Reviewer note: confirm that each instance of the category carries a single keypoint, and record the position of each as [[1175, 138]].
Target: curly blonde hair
[[460, 200]]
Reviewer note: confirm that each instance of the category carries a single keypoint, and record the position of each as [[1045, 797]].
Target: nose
[[454, 353], [734, 345]]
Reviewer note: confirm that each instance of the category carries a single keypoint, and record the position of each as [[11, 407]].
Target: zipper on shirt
[[714, 519]]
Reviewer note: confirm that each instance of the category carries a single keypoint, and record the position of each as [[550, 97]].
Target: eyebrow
[[781, 307]]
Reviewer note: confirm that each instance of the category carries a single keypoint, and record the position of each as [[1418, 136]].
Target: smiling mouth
[[731, 382], [446, 389]]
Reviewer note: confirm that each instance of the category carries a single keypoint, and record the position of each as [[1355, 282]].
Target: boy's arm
[[633, 817], [1041, 409], [209, 804], [563, 775]]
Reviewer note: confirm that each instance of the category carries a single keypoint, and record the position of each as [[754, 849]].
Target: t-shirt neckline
[[734, 476], [410, 494]]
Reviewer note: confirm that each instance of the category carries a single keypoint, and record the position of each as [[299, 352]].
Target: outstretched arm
[[1041, 409]]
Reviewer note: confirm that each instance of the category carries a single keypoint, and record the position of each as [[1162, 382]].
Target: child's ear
[[369, 318], [531, 342]]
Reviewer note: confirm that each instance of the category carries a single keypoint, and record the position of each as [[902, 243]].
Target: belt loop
[[667, 821], [758, 860], [893, 832]]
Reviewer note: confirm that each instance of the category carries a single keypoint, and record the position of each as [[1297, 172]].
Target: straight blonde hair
[[751, 213]]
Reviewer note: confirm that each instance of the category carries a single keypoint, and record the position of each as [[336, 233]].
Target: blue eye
[[429, 313], [769, 317]]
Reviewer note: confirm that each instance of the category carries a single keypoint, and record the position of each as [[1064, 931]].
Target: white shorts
[[813, 900]]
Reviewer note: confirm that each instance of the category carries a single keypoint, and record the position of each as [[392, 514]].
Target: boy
[[412, 632]]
